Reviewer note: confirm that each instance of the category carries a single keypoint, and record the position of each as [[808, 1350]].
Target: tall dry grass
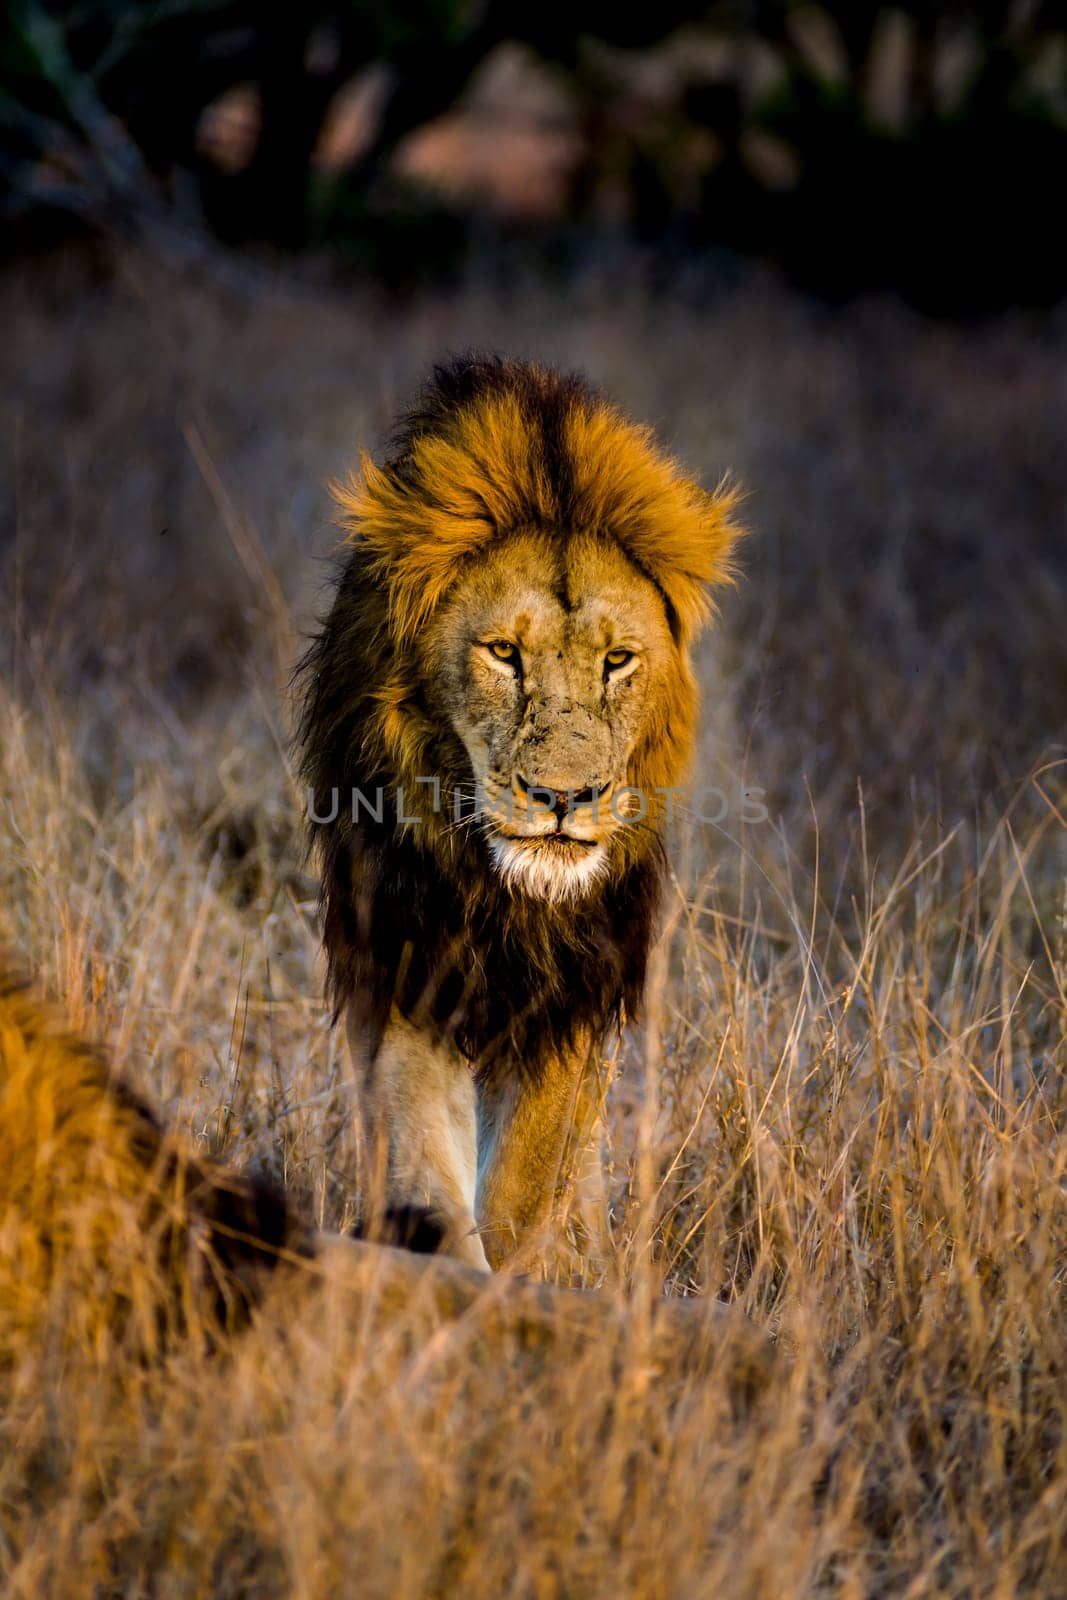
[[846, 1107]]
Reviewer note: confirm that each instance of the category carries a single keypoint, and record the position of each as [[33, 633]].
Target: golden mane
[[475, 472]]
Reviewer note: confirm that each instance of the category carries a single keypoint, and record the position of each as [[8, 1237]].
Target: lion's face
[[551, 665]]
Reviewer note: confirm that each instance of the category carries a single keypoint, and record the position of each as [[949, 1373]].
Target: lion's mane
[[419, 917]]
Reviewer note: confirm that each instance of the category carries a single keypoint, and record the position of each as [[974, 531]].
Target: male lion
[[496, 710]]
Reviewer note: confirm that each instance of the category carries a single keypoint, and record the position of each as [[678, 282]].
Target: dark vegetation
[[860, 145]]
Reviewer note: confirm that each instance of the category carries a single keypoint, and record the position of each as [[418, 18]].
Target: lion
[[118, 1235], [496, 713], [97, 1200]]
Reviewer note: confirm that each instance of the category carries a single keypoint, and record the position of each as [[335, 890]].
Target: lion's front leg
[[417, 1102], [583, 1185], [539, 1160]]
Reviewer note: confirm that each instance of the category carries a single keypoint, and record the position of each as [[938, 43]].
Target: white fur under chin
[[543, 873]]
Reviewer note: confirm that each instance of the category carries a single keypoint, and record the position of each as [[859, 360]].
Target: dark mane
[[508, 979]]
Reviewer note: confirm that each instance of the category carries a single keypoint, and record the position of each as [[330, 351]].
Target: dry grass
[[847, 1110]]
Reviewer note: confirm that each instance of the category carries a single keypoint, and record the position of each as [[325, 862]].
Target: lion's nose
[[560, 801]]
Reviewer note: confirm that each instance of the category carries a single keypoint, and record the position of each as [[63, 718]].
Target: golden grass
[[847, 1108]]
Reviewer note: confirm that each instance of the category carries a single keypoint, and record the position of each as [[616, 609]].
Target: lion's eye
[[504, 650], [616, 659]]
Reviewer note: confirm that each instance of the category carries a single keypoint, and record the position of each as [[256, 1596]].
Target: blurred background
[[914, 147]]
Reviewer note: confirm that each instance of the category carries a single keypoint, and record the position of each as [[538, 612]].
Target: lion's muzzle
[[571, 808]]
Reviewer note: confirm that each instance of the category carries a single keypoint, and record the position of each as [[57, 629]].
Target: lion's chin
[[549, 868]]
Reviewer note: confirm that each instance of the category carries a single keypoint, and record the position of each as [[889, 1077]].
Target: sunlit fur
[[99, 1207], [510, 463], [469, 474]]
